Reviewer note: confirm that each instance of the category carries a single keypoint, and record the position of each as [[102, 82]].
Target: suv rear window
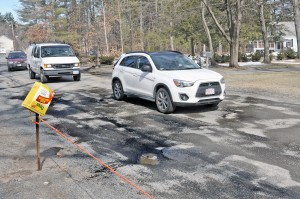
[[129, 61]]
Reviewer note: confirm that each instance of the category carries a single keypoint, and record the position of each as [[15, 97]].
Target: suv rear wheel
[[118, 90], [164, 102]]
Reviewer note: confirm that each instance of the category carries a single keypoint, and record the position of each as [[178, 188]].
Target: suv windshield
[[57, 51], [173, 61], [16, 55]]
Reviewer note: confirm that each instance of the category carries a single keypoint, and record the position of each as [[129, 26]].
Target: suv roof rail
[[137, 52], [174, 51]]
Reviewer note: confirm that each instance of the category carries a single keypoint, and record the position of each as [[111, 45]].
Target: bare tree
[[234, 18]]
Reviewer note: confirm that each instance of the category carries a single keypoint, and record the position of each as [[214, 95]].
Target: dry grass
[[269, 84]]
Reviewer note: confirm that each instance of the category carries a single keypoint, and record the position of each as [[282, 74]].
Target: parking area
[[248, 147]]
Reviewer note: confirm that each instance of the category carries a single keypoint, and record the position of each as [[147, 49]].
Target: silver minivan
[[52, 60]]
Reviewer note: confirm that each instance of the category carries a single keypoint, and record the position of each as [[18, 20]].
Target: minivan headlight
[[182, 83], [47, 66]]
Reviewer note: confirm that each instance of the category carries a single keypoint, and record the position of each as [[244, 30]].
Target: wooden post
[[37, 128]]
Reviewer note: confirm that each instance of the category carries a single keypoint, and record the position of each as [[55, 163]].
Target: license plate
[[19, 64], [76, 72], [209, 91]]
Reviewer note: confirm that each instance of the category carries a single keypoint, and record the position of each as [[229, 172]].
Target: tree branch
[[216, 21]]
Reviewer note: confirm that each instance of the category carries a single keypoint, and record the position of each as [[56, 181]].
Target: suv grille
[[202, 88], [63, 65]]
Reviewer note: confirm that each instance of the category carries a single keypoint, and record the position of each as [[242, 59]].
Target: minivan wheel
[[164, 102], [118, 90], [43, 78], [31, 74]]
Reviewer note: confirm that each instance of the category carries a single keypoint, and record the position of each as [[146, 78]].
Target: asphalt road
[[247, 148]]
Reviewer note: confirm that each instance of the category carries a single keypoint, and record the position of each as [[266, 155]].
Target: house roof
[[287, 28]]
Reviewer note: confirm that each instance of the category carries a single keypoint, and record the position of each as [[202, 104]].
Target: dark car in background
[[16, 60]]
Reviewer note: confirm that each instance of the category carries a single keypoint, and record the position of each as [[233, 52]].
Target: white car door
[[128, 74], [145, 80]]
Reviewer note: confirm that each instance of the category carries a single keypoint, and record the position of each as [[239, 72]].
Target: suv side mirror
[[146, 68]]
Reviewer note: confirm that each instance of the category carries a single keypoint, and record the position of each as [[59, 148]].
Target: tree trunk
[[264, 33], [141, 25], [171, 36], [104, 27], [207, 33], [234, 53], [235, 18], [121, 32], [297, 25]]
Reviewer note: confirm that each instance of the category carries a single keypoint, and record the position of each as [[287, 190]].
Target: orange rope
[[98, 160]]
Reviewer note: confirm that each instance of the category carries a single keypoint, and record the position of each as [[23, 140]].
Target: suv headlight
[[182, 83], [77, 65], [222, 80]]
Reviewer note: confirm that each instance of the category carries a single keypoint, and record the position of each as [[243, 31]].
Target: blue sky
[[9, 6]]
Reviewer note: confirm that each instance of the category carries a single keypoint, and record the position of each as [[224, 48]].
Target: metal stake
[[37, 128]]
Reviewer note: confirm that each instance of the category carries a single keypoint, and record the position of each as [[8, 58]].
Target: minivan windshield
[[57, 51], [173, 61]]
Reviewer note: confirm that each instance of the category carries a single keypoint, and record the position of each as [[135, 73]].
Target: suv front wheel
[[118, 90], [164, 102]]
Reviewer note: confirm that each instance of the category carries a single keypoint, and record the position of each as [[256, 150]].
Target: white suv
[[168, 78], [52, 59]]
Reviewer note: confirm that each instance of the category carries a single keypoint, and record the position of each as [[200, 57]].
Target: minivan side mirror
[[146, 68]]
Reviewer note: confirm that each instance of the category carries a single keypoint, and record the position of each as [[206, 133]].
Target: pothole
[[148, 159]]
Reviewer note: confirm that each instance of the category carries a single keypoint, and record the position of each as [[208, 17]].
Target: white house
[[287, 40], [6, 44]]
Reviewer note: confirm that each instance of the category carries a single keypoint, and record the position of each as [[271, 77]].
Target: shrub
[[290, 54], [103, 59], [271, 56], [280, 56], [256, 56], [225, 58], [92, 58], [217, 58], [242, 57], [107, 59]]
